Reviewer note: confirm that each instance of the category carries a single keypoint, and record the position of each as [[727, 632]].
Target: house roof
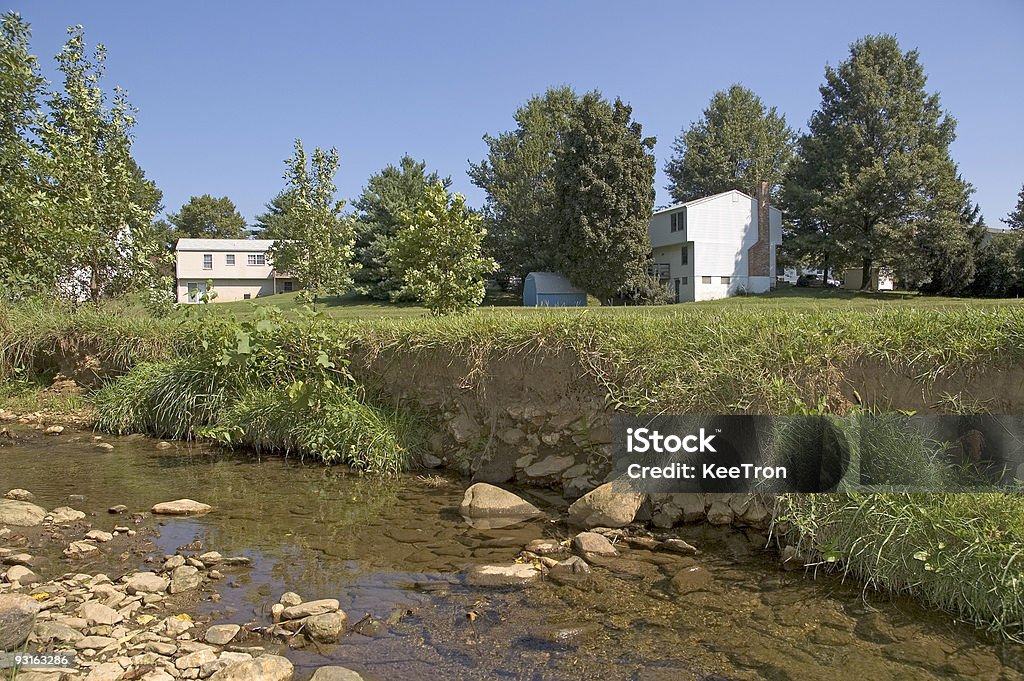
[[552, 282], [705, 199], [254, 245]]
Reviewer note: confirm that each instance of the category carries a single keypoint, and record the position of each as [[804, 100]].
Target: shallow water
[[391, 551]]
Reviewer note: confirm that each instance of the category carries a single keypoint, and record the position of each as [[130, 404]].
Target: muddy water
[[391, 552]]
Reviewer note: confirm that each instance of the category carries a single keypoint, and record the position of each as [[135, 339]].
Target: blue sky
[[224, 87]]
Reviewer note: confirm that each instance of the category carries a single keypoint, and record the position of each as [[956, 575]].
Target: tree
[[270, 225], [518, 178], [863, 184], [603, 198], [207, 217], [26, 257], [1015, 219], [737, 143], [315, 246], [438, 253], [947, 241], [393, 192], [105, 235]]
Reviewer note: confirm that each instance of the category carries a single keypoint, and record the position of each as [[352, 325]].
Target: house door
[[196, 291], [677, 290]]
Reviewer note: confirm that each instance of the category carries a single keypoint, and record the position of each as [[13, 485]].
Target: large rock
[[221, 634], [549, 465], [17, 615], [326, 628], [65, 514], [518, 574], [184, 578], [613, 504], [20, 513], [97, 614], [483, 500], [107, 671], [181, 507], [335, 674], [19, 494], [146, 583], [262, 668], [310, 608], [592, 544]]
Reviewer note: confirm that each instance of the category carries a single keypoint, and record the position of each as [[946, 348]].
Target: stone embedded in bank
[[613, 504], [483, 500], [181, 507], [592, 544], [262, 668]]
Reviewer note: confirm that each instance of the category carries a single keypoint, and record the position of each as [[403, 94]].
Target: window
[[686, 255], [661, 270], [288, 287], [257, 259], [705, 280], [681, 221], [246, 296], [674, 228], [229, 259], [726, 280], [685, 281], [207, 261]]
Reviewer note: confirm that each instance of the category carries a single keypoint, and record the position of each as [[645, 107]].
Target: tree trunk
[[867, 282]]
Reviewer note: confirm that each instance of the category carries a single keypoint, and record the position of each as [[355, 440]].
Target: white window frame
[[254, 259], [207, 261], [229, 259]]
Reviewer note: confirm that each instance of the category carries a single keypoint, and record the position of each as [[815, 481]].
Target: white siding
[[719, 231], [230, 282]]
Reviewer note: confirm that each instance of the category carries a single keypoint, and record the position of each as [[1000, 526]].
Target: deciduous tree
[[438, 253], [209, 217], [316, 243], [603, 197], [737, 143], [519, 180]]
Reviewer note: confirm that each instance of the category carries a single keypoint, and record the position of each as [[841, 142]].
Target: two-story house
[[717, 246], [240, 269]]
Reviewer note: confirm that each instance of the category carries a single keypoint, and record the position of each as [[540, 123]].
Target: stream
[[391, 551]]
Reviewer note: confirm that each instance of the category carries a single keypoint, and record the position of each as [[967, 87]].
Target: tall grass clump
[[958, 552]]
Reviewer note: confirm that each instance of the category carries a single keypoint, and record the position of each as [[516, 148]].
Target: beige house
[[240, 269]]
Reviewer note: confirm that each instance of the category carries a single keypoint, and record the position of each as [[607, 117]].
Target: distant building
[[550, 289], [854, 277], [240, 269], [717, 246]]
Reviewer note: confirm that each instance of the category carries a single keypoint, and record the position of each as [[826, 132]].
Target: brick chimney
[[759, 255]]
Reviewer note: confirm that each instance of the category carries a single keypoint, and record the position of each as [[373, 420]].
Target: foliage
[[1015, 219], [208, 217], [874, 168], [603, 197], [736, 144], [273, 223], [437, 252], [1000, 266], [317, 241], [518, 177], [26, 257], [105, 237], [388, 195], [955, 551]]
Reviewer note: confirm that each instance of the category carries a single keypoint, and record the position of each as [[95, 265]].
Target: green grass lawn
[[351, 307]]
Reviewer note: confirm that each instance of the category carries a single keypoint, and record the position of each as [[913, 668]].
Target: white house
[[240, 269], [717, 246]]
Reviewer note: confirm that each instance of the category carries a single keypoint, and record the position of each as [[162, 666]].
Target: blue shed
[[550, 289]]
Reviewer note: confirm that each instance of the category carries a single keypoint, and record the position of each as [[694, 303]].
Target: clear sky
[[224, 87]]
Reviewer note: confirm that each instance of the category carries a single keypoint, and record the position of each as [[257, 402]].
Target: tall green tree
[[603, 197], [1015, 219], [518, 176], [737, 143], [27, 260], [437, 252], [209, 217], [106, 236], [389, 195], [862, 185], [316, 244], [270, 225]]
